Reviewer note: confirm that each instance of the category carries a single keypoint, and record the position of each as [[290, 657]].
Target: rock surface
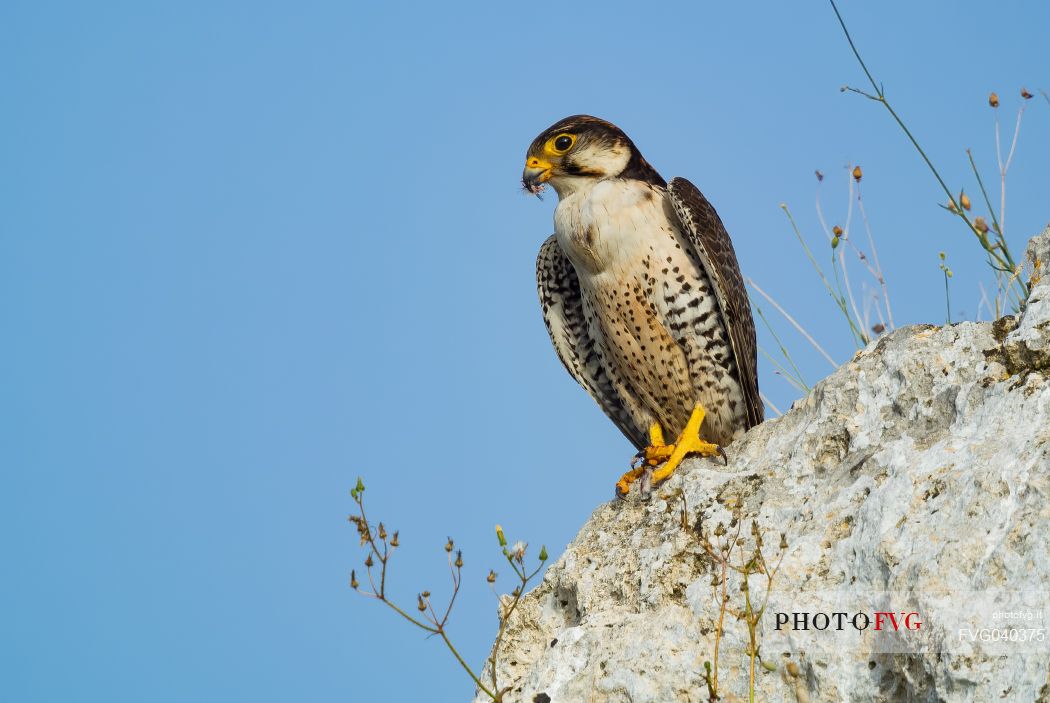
[[918, 472]]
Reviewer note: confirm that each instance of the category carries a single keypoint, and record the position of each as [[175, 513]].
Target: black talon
[[723, 453]]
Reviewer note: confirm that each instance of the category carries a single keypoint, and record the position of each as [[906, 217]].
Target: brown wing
[[712, 244], [563, 314]]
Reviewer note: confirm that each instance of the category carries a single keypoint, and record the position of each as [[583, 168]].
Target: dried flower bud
[[820, 176], [368, 561], [980, 224], [878, 328], [964, 200], [393, 540], [382, 531], [783, 536], [500, 537], [353, 580], [448, 545], [421, 605], [491, 577], [720, 530], [1025, 94], [459, 558], [857, 173], [837, 231], [516, 592], [426, 594], [743, 586], [754, 527], [951, 206], [993, 99]]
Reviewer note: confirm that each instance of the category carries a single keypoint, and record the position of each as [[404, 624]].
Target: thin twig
[[793, 322], [769, 402]]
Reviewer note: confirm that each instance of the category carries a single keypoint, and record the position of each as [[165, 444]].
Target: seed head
[[964, 200], [382, 531], [353, 580], [837, 231], [820, 176], [421, 606], [857, 173], [491, 577], [448, 545], [459, 558], [393, 540], [1025, 94], [980, 224], [783, 537], [993, 99]]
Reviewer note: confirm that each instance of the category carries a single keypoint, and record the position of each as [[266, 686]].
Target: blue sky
[[250, 251]]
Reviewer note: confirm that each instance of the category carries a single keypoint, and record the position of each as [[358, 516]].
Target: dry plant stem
[[781, 371], [768, 402], [751, 616], [1004, 167], [839, 300], [793, 322], [505, 617], [436, 626], [877, 270], [842, 264], [720, 556], [1004, 260]]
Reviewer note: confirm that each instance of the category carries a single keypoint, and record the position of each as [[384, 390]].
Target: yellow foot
[[671, 455]]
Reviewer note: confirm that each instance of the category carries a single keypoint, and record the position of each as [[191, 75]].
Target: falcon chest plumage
[[648, 304]]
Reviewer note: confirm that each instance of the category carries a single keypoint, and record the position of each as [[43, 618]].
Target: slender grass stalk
[[840, 301], [877, 270], [769, 402], [801, 330], [1000, 254], [784, 373]]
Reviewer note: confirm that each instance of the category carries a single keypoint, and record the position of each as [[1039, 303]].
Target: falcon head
[[580, 150]]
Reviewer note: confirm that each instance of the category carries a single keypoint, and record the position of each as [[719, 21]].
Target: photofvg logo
[[966, 622], [878, 620]]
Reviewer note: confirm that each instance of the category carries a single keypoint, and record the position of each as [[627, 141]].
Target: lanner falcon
[[643, 297]]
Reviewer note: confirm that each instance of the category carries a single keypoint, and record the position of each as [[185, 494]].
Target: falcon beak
[[536, 173]]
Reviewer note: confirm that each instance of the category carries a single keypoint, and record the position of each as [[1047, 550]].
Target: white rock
[[919, 473]]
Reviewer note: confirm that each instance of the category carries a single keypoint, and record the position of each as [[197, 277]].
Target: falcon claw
[[722, 453]]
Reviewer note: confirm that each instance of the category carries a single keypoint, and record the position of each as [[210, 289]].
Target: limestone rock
[[916, 478]]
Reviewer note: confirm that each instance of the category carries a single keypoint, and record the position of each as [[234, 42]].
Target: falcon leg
[[671, 455]]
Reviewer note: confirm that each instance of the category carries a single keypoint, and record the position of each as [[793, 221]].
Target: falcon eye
[[562, 143]]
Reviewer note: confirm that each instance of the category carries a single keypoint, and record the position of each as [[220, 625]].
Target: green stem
[[466, 668], [881, 98]]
